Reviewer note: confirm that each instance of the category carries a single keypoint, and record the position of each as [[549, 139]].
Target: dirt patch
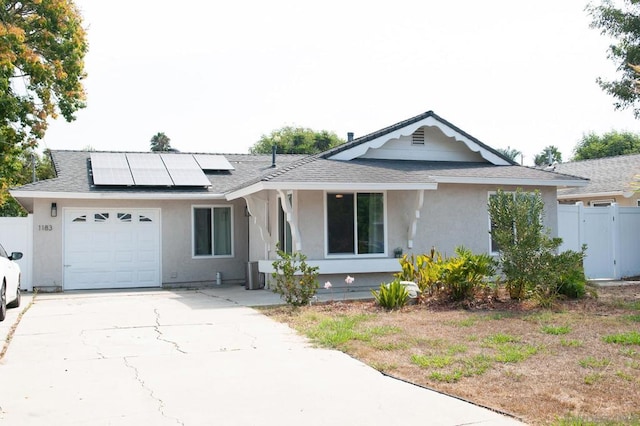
[[538, 364]]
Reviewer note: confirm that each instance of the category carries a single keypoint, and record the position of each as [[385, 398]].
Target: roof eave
[[17, 194], [331, 186], [510, 181], [573, 196]]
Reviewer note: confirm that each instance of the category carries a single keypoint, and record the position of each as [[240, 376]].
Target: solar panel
[[110, 169], [213, 162], [184, 170], [149, 170]]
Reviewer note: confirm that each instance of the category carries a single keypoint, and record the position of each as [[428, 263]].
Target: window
[[212, 231], [601, 203], [101, 217], [493, 246], [285, 241], [355, 223], [124, 217]]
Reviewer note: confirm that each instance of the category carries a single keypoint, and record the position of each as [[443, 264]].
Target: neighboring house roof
[[608, 176]]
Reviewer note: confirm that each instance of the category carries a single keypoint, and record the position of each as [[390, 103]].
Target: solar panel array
[[213, 162], [111, 168], [141, 169], [184, 170]]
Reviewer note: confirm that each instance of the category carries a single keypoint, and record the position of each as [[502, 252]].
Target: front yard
[[572, 365]]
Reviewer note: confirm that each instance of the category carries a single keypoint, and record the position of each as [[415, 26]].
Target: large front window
[[212, 231], [355, 223]]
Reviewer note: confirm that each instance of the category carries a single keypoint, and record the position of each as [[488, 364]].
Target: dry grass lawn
[[574, 364]]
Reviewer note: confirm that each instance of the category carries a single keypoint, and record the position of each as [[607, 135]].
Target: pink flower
[[349, 279], [327, 285]]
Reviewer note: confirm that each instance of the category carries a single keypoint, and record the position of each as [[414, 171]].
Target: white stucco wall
[[451, 216]]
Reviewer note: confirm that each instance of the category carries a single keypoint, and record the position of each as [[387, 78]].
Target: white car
[[10, 285]]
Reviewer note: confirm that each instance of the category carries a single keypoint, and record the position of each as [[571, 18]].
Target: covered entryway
[[111, 248]]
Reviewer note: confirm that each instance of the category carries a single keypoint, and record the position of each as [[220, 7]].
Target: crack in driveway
[[161, 337], [139, 379], [96, 347]]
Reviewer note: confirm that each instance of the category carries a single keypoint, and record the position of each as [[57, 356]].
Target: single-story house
[[125, 219], [611, 180]]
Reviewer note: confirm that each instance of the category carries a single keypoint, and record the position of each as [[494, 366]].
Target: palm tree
[[160, 142], [548, 156], [510, 153]]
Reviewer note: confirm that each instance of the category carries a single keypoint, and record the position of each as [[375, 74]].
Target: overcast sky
[[214, 76]]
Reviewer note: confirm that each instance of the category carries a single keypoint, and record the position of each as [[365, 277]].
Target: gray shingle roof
[[72, 168], [606, 175], [402, 171]]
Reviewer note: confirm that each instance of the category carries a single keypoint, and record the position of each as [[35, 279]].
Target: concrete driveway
[[194, 358]]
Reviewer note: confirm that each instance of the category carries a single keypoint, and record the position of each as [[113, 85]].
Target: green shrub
[[561, 274], [295, 281], [391, 296], [423, 269], [528, 256], [461, 276]]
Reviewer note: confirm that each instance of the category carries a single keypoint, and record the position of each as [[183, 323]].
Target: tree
[[549, 155], [510, 153], [160, 142], [296, 140], [27, 167], [623, 24], [42, 48], [608, 145], [517, 229]]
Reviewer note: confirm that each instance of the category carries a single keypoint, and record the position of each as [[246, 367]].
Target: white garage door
[[111, 248]]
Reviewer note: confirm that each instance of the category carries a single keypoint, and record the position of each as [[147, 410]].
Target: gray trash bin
[[255, 279]]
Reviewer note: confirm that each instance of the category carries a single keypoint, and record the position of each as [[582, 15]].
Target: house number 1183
[[45, 227]]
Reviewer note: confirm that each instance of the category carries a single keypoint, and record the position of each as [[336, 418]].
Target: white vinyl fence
[[612, 236], [16, 234]]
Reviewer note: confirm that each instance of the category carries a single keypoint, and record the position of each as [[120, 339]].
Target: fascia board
[[592, 195], [113, 195], [512, 181], [359, 150]]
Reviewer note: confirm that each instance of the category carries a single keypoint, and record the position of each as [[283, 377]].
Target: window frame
[[491, 250], [212, 224], [284, 227], [355, 254]]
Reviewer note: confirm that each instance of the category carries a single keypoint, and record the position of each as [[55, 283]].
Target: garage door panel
[[147, 277], [124, 277], [111, 248]]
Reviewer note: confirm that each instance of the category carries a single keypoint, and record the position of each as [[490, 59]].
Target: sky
[[215, 76]]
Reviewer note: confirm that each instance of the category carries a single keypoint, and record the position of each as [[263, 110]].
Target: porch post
[[257, 208]]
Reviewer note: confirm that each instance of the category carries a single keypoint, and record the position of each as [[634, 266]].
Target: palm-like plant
[[160, 142], [510, 153]]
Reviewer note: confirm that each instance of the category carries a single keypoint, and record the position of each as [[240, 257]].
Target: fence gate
[[16, 234], [611, 235]]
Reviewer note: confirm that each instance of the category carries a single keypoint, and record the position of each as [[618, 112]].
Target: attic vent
[[417, 138]]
